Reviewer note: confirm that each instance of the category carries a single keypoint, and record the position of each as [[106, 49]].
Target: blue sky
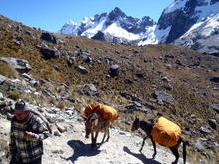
[[50, 15]]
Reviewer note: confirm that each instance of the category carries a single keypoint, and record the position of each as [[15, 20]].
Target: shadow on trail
[[141, 157], [81, 149]]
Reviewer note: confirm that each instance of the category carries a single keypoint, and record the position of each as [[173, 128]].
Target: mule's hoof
[[153, 157]]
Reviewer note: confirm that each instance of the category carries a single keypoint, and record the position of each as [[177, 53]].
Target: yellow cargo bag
[[107, 112], [165, 132]]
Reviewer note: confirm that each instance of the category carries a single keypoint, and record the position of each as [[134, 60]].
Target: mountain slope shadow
[[140, 157], [81, 149]]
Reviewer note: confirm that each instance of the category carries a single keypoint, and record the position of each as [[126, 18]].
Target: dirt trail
[[72, 147]]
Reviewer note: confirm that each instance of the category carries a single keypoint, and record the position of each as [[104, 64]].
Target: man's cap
[[21, 105]]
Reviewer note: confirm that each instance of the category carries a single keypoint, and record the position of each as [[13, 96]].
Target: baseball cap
[[21, 105]]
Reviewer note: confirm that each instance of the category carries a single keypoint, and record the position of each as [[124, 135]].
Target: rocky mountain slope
[[189, 23], [61, 74]]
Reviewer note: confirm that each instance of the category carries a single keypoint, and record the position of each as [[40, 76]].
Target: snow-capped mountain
[[202, 36], [112, 25], [190, 23], [181, 15]]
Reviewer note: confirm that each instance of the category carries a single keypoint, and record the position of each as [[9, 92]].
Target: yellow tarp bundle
[[107, 112], [166, 132]]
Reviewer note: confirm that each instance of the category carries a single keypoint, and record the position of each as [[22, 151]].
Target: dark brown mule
[[147, 127], [95, 124]]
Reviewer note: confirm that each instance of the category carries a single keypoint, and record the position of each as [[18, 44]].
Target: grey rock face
[[20, 65], [180, 20], [163, 97]]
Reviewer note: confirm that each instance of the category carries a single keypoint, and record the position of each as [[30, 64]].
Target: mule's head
[[90, 123], [135, 124]]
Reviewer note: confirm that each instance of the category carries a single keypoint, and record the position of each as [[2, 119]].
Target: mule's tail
[[184, 151]]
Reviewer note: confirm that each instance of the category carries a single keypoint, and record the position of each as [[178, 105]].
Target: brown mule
[[95, 124], [147, 127]]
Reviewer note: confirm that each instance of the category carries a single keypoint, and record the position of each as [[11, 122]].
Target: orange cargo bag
[[107, 112], [165, 132]]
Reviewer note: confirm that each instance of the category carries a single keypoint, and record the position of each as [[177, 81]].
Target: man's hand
[[29, 135]]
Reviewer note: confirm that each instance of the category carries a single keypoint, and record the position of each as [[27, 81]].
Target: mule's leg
[[93, 143], [175, 153], [154, 146], [184, 151], [104, 136], [143, 143], [106, 132], [95, 138], [108, 135]]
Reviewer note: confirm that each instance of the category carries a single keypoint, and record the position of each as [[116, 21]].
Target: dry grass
[[14, 94], [7, 70]]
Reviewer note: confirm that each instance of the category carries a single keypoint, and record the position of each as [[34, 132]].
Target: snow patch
[[162, 34], [175, 6], [206, 27], [70, 27], [115, 30], [87, 20], [94, 28], [150, 37]]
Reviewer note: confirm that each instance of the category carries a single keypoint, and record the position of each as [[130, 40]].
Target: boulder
[[82, 69], [215, 107], [20, 65], [2, 79], [114, 70], [49, 52], [162, 97], [48, 37]]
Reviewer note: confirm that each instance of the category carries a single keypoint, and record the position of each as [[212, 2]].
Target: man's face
[[21, 115]]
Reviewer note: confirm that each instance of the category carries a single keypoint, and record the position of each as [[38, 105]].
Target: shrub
[[15, 95], [62, 104]]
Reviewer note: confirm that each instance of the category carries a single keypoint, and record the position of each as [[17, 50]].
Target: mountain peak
[[116, 12]]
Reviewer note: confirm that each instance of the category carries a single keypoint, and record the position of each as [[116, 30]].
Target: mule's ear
[[83, 116]]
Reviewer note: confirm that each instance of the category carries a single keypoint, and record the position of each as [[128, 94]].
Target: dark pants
[[37, 161]]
